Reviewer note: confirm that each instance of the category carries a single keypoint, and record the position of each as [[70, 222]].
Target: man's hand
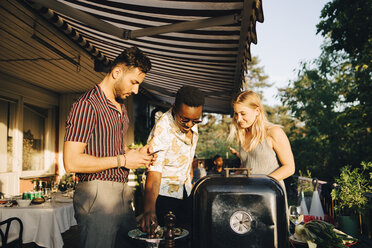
[[148, 223], [146, 149], [139, 158]]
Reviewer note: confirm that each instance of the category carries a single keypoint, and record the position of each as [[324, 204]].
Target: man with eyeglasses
[[168, 182]]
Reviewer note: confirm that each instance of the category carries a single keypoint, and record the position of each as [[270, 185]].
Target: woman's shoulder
[[274, 132], [273, 129]]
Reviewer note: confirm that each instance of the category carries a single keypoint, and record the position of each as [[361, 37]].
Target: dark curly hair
[[133, 57], [216, 156], [189, 95]]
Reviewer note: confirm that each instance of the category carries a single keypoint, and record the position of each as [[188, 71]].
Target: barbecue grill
[[239, 211]]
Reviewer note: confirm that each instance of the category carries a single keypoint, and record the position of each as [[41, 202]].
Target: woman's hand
[[233, 151]]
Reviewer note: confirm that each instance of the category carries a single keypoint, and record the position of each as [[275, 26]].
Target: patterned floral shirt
[[174, 162]]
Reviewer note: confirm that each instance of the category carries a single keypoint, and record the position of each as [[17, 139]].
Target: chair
[[11, 239]]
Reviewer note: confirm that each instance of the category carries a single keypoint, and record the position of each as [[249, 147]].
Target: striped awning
[[198, 43]]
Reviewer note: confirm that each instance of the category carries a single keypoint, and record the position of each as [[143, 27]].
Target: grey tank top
[[262, 159]]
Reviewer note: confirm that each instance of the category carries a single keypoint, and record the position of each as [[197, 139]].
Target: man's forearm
[[150, 199], [76, 161], [151, 192], [84, 163]]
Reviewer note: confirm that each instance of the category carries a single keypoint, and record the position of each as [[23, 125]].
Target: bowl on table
[[38, 201], [23, 202]]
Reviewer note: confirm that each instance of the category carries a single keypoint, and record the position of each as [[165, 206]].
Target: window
[[34, 119], [28, 133], [27, 138], [7, 116]]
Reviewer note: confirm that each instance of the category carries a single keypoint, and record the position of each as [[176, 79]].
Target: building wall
[[23, 94]]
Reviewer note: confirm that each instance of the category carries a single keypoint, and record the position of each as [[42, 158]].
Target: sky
[[285, 38]]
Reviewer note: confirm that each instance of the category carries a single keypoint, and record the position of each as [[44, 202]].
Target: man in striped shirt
[[94, 149]]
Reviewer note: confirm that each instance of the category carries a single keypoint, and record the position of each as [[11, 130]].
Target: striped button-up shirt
[[96, 121]]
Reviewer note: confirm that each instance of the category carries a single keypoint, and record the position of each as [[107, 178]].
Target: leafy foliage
[[323, 234], [215, 129], [315, 99], [281, 115], [213, 137], [331, 95], [352, 184], [348, 25], [255, 78]]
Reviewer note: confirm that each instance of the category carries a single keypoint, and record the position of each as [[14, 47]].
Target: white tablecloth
[[43, 224]]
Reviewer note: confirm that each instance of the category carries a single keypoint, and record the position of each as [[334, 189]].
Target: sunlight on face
[[128, 82], [244, 116], [186, 117]]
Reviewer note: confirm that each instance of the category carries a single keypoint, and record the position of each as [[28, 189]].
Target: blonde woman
[[263, 146]]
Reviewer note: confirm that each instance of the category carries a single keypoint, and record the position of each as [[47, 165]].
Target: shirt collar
[[103, 98]]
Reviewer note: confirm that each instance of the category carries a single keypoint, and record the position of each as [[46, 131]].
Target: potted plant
[[349, 194]]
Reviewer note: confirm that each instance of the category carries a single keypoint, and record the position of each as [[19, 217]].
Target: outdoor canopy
[[199, 43]]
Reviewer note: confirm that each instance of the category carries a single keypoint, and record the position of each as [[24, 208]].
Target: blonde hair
[[259, 127]]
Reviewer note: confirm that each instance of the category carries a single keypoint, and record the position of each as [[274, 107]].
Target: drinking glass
[[55, 187], [70, 186], [47, 193], [295, 214]]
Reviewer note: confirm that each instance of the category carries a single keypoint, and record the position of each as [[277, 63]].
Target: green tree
[[213, 136], [255, 78], [348, 24], [314, 100], [281, 115], [331, 95], [216, 127]]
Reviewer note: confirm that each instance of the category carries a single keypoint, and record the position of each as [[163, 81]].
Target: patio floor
[[71, 240]]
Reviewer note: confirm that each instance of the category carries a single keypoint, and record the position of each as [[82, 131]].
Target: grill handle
[[238, 169]]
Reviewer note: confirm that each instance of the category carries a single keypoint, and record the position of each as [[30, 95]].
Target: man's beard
[[118, 93], [119, 100]]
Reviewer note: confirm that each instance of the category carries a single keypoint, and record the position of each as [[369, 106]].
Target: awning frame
[[250, 12], [131, 34]]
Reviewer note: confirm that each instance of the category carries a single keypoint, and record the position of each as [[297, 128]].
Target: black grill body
[[239, 212]]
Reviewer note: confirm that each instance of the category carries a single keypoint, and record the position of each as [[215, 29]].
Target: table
[[44, 223]]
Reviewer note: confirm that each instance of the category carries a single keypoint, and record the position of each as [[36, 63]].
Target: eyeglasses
[[186, 120]]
